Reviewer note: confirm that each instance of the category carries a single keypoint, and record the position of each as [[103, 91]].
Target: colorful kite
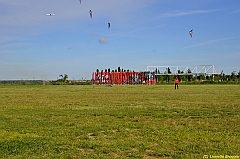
[[191, 32], [109, 25], [90, 12]]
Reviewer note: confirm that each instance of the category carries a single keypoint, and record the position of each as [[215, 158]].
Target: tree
[[216, 77], [157, 71], [201, 77], [119, 69], [63, 78], [189, 76], [233, 76], [183, 77], [168, 71], [228, 77], [160, 78], [223, 76]]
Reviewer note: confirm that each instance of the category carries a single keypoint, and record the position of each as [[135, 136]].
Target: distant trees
[[168, 76], [63, 78], [165, 77], [223, 77], [189, 76], [233, 75]]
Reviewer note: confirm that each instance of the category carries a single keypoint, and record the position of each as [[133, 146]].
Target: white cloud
[[235, 12], [6, 52], [102, 40], [70, 48], [209, 42], [185, 13]]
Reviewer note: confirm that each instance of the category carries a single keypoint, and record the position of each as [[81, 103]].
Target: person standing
[[176, 81]]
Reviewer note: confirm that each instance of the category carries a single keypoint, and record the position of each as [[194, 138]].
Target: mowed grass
[[125, 121]]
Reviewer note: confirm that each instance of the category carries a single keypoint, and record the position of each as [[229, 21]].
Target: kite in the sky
[[109, 25], [90, 12], [80, 1], [191, 32], [50, 14]]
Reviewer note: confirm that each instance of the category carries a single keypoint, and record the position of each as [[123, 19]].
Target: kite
[[80, 1], [109, 25], [90, 12], [50, 14], [190, 33]]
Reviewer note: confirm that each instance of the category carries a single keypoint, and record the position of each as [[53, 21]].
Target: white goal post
[[183, 70]]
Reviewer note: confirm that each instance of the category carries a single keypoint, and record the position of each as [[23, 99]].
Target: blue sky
[[142, 33]]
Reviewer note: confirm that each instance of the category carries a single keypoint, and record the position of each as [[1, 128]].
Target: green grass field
[[128, 121]]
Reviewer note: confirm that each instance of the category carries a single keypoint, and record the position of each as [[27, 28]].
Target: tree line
[[188, 77], [222, 77], [162, 78]]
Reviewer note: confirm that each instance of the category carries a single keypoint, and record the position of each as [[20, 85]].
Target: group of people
[[176, 81]]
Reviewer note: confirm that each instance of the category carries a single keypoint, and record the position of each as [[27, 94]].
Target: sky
[[142, 33]]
